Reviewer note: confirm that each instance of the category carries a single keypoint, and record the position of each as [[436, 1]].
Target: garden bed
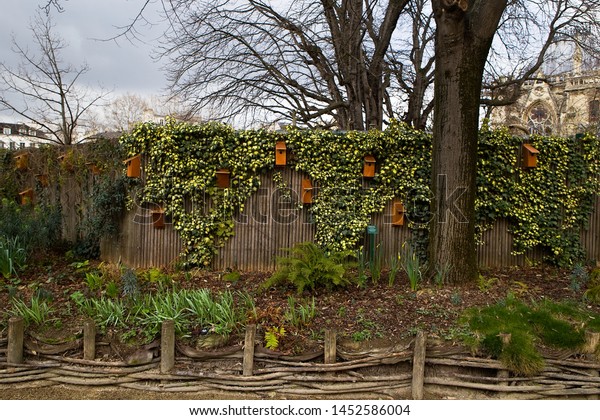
[[368, 321]]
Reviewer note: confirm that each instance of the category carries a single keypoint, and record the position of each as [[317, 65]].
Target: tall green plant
[[12, 257], [412, 266]]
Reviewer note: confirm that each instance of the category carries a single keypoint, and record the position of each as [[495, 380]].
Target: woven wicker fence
[[416, 369]]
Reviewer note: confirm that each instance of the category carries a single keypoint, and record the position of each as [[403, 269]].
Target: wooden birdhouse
[[43, 179], [223, 178], [94, 169], [280, 153], [134, 166], [529, 156], [307, 191], [158, 218], [66, 161], [21, 161], [369, 166], [26, 197], [398, 211]]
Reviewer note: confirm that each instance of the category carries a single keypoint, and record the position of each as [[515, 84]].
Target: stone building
[[563, 100]]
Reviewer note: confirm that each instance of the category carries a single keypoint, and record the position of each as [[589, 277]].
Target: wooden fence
[[269, 224], [414, 369]]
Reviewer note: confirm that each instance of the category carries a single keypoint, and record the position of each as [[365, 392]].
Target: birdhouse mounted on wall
[[67, 161], [134, 166], [223, 178], [158, 218], [529, 156], [307, 191], [26, 197], [21, 161], [43, 179], [93, 168], [369, 166], [280, 153], [398, 211]]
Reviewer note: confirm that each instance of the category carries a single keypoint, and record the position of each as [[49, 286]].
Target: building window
[[13, 145], [21, 145], [7, 131], [32, 132], [594, 111], [22, 131], [539, 120]]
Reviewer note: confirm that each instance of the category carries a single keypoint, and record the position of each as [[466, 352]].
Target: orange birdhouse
[[369, 166], [158, 218], [26, 197], [223, 178], [529, 156], [398, 211], [134, 166], [307, 191], [43, 180], [22, 161], [280, 153], [93, 168]]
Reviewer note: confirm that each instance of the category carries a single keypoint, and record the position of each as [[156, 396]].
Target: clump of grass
[[37, 312], [300, 314], [411, 264], [559, 325]]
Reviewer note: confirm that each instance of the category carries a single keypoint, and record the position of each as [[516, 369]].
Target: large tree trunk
[[463, 40]]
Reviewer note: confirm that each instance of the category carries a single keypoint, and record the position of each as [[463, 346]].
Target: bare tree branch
[[44, 90]]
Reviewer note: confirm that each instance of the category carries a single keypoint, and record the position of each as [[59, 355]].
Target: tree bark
[[464, 34]]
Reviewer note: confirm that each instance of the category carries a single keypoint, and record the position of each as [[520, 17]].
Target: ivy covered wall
[[546, 205]]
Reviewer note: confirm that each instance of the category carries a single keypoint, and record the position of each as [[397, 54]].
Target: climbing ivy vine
[[546, 205]]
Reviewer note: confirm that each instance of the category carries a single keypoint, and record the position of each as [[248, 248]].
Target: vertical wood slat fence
[[418, 369], [268, 225]]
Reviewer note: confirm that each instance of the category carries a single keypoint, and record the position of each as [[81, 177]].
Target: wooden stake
[[249, 349], [330, 347], [167, 346], [503, 373], [418, 378], [89, 340], [16, 334], [592, 339]]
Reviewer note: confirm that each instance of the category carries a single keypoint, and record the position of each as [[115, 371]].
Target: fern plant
[[310, 267], [273, 336]]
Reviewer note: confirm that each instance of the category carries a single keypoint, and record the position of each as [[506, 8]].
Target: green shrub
[[559, 325], [36, 227], [310, 267], [592, 292]]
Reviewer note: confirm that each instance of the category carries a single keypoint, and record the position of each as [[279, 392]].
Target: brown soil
[[377, 311]]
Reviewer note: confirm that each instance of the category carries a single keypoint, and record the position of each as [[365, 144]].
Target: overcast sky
[[122, 67]]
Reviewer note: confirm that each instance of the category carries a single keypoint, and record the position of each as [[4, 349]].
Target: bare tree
[[125, 111], [45, 90], [525, 41], [412, 63], [316, 62]]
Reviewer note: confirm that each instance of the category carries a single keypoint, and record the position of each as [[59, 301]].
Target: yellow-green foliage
[[546, 206]]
